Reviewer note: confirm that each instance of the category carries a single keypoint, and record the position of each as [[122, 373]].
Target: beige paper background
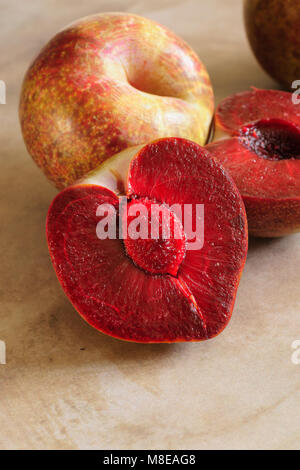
[[65, 386]]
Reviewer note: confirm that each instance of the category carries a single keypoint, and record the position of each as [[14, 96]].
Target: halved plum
[[259, 132], [154, 289]]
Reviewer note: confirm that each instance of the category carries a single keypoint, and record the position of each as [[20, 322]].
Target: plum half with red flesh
[[152, 290], [260, 147]]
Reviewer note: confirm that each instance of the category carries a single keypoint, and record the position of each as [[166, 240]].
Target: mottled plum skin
[[273, 29], [122, 290], [261, 150], [106, 83]]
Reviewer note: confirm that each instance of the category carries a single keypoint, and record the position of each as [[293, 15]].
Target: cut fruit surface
[[273, 139], [153, 289], [262, 154], [155, 239], [254, 105]]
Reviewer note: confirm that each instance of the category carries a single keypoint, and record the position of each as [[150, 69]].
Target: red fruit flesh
[[103, 284], [263, 157], [123, 288], [273, 139], [254, 105], [186, 175], [160, 252]]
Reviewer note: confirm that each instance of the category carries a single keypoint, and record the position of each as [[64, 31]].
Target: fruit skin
[[108, 82], [270, 187], [273, 29], [113, 172], [194, 305], [281, 216]]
